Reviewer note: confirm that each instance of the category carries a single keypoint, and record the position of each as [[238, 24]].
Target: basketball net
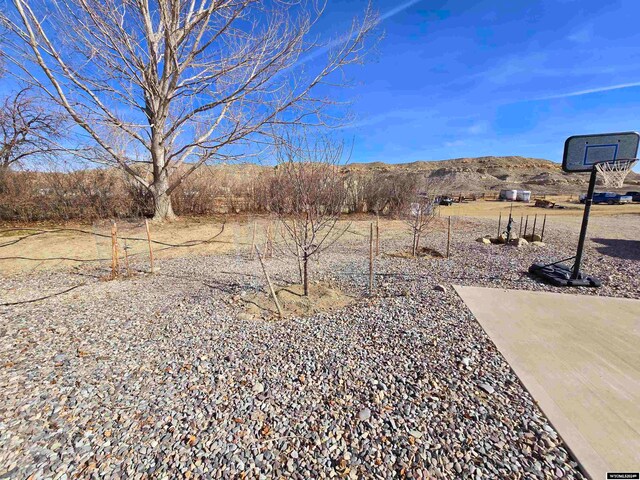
[[614, 173]]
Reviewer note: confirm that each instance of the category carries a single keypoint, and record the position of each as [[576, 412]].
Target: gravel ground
[[163, 377]]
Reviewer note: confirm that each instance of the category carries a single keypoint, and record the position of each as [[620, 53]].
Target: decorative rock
[[518, 242], [484, 240], [60, 358], [258, 388], [364, 414], [487, 388], [440, 288]]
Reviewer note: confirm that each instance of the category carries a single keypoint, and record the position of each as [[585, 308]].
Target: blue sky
[[472, 78], [469, 78]]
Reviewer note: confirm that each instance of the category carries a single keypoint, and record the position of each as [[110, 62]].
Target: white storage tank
[[508, 195], [523, 196]]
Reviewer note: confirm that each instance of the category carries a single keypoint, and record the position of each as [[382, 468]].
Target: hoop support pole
[[585, 223]]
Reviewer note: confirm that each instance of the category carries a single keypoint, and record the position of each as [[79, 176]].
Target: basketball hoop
[[613, 155], [614, 173]]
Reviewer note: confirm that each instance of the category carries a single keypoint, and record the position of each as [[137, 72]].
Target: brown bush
[[91, 194]]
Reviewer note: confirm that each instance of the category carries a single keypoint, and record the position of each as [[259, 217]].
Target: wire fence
[[241, 237]]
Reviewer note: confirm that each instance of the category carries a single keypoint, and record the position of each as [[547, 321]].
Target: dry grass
[[492, 208], [206, 235]]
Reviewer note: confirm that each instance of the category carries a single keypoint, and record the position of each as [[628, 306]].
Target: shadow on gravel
[[625, 249]]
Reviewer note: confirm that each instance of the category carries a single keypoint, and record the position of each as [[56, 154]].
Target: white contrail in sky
[[398, 9], [386, 15], [578, 93]]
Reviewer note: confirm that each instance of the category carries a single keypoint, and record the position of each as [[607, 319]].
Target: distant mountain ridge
[[492, 173]]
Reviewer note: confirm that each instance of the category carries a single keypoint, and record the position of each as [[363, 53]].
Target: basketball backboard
[[582, 152]]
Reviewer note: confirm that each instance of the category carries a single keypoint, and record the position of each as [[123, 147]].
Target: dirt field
[[28, 248]]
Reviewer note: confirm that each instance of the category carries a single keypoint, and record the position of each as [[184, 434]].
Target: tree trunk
[[305, 274], [163, 209], [4, 177]]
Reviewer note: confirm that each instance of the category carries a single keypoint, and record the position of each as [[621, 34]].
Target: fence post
[[126, 258], [272, 234], [371, 259], [449, 238], [114, 250], [377, 234], [526, 224], [535, 220], [268, 247], [266, 241], [146, 223], [253, 240], [499, 224], [544, 223], [520, 231]]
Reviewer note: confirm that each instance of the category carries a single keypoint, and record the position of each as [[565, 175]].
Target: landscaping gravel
[[163, 376]]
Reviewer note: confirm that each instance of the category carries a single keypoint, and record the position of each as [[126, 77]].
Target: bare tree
[[308, 195], [28, 130], [182, 82], [421, 211]]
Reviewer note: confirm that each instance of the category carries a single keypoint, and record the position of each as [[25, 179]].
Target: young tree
[[178, 82], [308, 194], [421, 211]]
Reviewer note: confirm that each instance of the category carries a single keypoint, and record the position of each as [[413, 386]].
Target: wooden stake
[[114, 250], [267, 240], [526, 224], [544, 223], [535, 220], [126, 258], [146, 224], [371, 259], [253, 239], [449, 238], [266, 275], [520, 231], [499, 224], [377, 235]]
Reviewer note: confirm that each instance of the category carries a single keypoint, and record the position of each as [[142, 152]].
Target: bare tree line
[[89, 194]]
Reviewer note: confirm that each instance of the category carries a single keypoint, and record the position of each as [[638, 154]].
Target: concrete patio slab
[[579, 357]]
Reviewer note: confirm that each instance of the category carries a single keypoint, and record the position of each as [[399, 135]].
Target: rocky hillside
[[469, 175], [484, 174]]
